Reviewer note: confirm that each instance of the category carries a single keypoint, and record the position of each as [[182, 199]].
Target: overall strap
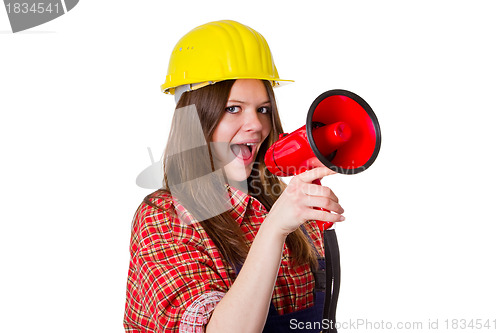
[[305, 321]]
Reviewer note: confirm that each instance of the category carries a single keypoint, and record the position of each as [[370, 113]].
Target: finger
[[325, 203], [319, 191], [315, 173], [321, 215]]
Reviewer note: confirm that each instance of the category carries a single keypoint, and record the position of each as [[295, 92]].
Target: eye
[[264, 109], [233, 109]]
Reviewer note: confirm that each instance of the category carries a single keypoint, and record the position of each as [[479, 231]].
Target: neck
[[241, 185]]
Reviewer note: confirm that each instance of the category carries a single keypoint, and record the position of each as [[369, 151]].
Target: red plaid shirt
[[177, 276]]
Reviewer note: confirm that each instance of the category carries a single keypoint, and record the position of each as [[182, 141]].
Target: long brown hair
[[186, 158]]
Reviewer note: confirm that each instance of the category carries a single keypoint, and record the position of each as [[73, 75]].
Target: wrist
[[272, 229]]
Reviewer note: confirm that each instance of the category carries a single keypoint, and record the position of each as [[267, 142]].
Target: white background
[[80, 103]]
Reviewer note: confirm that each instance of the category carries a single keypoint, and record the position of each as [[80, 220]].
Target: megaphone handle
[[323, 225]]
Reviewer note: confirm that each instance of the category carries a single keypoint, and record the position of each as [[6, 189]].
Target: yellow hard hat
[[217, 51]]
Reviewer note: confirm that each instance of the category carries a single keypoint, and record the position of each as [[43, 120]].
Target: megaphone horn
[[341, 132], [359, 151]]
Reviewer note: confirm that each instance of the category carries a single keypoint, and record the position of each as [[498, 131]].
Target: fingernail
[[342, 218]]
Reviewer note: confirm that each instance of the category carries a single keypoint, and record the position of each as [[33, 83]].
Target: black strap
[[332, 258], [320, 276]]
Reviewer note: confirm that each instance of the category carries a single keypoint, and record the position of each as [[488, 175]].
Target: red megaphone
[[341, 132]]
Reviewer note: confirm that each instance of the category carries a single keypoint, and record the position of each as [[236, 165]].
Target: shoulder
[[156, 221], [155, 208]]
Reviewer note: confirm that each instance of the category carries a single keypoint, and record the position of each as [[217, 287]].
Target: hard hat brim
[[171, 90]]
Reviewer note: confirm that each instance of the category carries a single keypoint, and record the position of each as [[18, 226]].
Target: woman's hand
[[297, 203]]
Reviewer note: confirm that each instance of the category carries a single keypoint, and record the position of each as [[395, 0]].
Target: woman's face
[[244, 126]]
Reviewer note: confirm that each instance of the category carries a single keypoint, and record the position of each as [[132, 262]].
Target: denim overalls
[[291, 322]]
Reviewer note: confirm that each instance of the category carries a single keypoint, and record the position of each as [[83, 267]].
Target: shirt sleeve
[[172, 281], [197, 315]]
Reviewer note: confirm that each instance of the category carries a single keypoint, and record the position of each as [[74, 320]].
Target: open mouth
[[243, 150]]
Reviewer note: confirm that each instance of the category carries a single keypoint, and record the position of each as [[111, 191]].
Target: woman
[[226, 246]]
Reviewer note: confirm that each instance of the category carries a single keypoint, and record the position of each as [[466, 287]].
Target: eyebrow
[[242, 102]]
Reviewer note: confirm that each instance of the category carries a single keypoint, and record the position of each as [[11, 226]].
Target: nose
[[252, 121]]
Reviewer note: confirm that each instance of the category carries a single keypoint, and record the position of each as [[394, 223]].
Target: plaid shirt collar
[[238, 200], [239, 203]]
